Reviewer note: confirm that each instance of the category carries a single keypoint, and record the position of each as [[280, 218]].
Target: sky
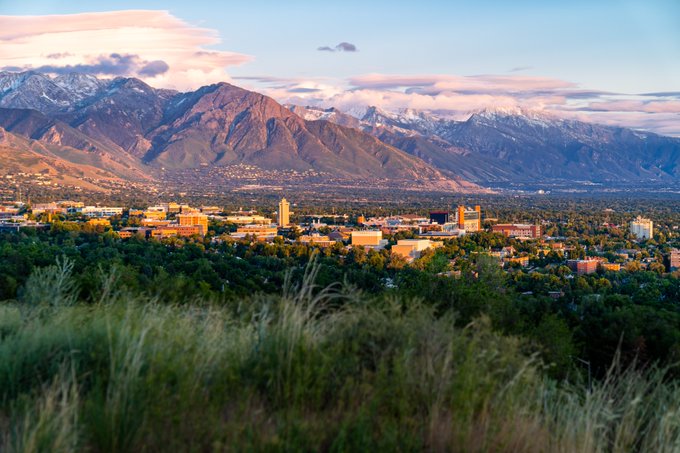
[[614, 62]]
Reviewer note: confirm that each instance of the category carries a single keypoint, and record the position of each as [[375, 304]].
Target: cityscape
[[339, 226]]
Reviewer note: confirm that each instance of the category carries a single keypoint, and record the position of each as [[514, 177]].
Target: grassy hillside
[[308, 370]]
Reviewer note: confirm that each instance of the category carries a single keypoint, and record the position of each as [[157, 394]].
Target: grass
[[309, 370]]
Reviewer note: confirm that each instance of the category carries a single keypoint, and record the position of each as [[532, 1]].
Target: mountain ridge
[[500, 145]]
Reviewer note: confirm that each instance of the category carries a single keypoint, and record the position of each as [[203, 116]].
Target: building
[[211, 210], [48, 208], [129, 232], [582, 267], [412, 248], [176, 230], [518, 230], [369, 238], [469, 220], [248, 219], [99, 222], [315, 239], [155, 214], [610, 267], [100, 211], [440, 217], [675, 259], [194, 219], [521, 260], [263, 232], [283, 215], [642, 228]]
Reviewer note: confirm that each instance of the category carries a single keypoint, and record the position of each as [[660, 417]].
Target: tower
[[284, 213], [479, 217], [461, 217]]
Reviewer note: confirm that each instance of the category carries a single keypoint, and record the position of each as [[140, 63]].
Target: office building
[[369, 238], [194, 219], [469, 220], [248, 219], [284, 213], [176, 230], [99, 211], [518, 230], [412, 248], [675, 259], [315, 239], [440, 217], [582, 267], [642, 228]]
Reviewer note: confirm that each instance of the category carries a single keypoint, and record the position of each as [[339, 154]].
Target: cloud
[[520, 68], [155, 46], [342, 47], [111, 65], [56, 56], [154, 68], [457, 96]]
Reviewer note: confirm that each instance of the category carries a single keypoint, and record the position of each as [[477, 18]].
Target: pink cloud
[[151, 36]]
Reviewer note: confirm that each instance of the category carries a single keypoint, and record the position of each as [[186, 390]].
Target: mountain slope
[[149, 129], [519, 146], [61, 164]]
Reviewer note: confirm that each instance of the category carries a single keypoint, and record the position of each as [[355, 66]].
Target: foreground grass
[[305, 371]]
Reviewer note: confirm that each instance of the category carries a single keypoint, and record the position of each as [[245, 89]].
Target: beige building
[[412, 248], [194, 219], [322, 241], [642, 228], [248, 219], [284, 213], [675, 259], [369, 238]]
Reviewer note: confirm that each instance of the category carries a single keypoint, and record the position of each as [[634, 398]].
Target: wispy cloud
[[342, 47], [153, 45], [458, 96]]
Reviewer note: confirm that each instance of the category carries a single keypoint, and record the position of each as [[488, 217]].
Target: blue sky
[[622, 47]]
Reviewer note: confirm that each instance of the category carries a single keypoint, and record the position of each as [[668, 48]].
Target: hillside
[[147, 129]]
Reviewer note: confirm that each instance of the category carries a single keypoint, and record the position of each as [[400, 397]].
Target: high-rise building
[[284, 213], [194, 219], [642, 228], [469, 220]]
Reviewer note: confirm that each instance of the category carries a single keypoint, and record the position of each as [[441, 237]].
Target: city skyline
[[613, 62]]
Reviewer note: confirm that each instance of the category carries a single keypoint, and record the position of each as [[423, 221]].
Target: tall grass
[[313, 369]]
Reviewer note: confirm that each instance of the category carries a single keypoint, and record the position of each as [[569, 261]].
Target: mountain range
[[78, 126], [519, 146]]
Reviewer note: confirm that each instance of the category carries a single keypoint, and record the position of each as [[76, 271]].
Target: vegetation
[[210, 344], [310, 369]]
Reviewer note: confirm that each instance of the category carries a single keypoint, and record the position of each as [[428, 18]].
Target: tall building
[[642, 228], [284, 213], [194, 219], [675, 259], [469, 220]]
